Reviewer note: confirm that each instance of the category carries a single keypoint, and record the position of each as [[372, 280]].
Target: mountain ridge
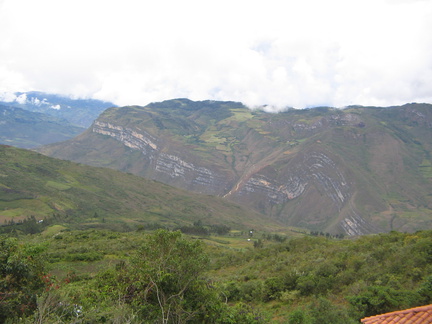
[[26, 129], [78, 112], [356, 170], [31, 119]]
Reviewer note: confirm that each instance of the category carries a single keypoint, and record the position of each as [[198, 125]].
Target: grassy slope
[[33, 184]]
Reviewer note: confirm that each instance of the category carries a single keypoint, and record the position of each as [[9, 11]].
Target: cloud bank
[[281, 53]]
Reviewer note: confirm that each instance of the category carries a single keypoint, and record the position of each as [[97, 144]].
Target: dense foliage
[[21, 278], [97, 276]]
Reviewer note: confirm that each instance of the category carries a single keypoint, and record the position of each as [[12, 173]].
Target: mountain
[[356, 170], [34, 185], [78, 112], [26, 129]]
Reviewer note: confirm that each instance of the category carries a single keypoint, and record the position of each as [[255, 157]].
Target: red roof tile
[[417, 315]]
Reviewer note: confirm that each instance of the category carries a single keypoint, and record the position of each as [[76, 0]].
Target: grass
[[57, 185], [426, 168], [73, 251], [53, 230], [240, 115], [52, 186]]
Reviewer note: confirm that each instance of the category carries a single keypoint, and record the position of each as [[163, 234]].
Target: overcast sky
[[297, 53]]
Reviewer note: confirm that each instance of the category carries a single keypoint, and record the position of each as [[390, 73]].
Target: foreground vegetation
[[102, 276]]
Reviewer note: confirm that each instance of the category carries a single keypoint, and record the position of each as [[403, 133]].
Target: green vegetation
[[321, 166], [21, 278], [36, 188], [426, 168], [82, 244], [98, 276]]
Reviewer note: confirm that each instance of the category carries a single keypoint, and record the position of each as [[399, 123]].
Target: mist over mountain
[[355, 171], [27, 129], [78, 112], [31, 119]]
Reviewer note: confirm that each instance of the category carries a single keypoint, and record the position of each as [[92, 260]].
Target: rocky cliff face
[[323, 169], [163, 165], [139, 141]]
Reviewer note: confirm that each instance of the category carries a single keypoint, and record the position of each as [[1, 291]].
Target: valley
[[209, 212]]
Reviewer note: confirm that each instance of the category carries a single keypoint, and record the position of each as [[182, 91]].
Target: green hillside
[[27, 129], [35, 186], [354, 171]]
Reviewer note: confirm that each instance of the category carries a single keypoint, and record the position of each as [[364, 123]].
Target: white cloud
[[7, 97], [22, 98], [278, 52]]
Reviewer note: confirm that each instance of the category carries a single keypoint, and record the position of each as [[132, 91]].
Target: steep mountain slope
[[358, 170], [28, 129], [32, 184], [78, 112]]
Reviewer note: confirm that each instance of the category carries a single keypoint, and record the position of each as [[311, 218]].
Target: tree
[[383, 299], [21, 278], [168, 282]]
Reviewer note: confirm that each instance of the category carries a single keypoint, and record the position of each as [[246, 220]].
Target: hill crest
[[34, 185]]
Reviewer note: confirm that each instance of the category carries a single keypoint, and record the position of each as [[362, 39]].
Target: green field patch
[[16, 212], [254, 123], [91, 188], [426, 168], [240, 115], [223, 148], [264, 132], [57, 185], [212, 138], [217, 240], [25, 208], [409, 214], [5, 218], [70, 179], [304, 121], [53, 230]]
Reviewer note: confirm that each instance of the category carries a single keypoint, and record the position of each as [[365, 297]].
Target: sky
[[280, 53]]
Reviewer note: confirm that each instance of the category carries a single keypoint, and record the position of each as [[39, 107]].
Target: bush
[[299, 316], [21, 278], [382, 299], [85, 256], [252, 291]]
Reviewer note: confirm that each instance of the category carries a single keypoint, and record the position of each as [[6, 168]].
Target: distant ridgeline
[[351, 171], [78, 112], [32, 119], [26, 129]]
